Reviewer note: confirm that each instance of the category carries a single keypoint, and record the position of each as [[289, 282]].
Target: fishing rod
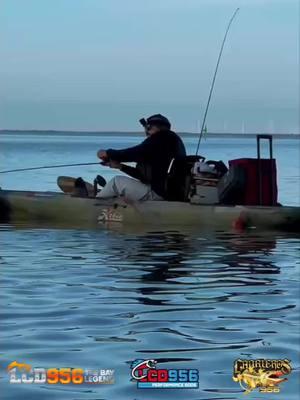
[[47, 167], [214, 79]]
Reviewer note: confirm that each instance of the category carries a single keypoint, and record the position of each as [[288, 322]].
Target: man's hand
[[102, 155]]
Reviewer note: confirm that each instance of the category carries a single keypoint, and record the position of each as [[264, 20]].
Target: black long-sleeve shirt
[[134, 172], [153, 157]]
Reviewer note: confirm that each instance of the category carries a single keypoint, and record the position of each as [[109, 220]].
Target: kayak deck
[[54, 208]]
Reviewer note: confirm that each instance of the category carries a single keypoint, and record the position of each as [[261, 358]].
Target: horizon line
[[142, 132]]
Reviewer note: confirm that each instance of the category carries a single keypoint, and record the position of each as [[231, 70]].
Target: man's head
[[156, 123]]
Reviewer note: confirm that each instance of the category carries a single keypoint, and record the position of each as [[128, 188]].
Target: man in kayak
[[153, 156]]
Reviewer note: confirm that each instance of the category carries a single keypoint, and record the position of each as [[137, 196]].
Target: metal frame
[[258, 140]]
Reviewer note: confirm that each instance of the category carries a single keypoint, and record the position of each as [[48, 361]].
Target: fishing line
[[214, 80], [47, 167]]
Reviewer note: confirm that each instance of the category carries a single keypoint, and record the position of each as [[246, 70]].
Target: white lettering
[[27, 379], [13, 376], [40, 375]]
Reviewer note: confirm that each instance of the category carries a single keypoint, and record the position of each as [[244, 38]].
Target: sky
[[104, 64]]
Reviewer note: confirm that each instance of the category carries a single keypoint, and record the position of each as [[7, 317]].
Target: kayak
[[54, 208]]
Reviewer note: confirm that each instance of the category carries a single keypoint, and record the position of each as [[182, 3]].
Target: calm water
[[100, 299]]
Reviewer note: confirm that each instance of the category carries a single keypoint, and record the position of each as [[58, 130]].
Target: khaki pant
[[129, 188]]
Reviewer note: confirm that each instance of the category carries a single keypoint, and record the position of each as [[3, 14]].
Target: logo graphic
[[110, 215], [145, 373], [24, 373], [262, 374]]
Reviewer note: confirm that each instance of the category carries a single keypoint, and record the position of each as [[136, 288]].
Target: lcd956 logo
[[25, 373]]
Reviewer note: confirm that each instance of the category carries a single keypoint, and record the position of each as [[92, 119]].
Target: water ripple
[[102, 299]]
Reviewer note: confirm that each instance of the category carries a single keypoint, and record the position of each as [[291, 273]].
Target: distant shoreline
[[120, 133]]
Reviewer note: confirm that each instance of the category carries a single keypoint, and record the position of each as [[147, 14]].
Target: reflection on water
[[102, 299]]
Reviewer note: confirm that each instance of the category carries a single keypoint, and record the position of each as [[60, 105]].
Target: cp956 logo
[[147, 375]]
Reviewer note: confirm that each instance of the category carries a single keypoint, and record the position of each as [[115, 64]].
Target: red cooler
[[260, 177]]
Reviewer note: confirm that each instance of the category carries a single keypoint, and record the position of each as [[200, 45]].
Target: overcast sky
[[103, 64]]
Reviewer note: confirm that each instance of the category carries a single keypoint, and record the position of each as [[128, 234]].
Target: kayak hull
[[19, 207]]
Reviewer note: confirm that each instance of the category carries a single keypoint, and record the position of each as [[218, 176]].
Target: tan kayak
[[57, 208]]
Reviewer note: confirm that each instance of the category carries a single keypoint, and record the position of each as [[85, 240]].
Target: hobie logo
[[110, 215]]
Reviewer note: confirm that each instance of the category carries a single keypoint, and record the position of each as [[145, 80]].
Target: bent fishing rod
[[214, 80], [202, 126], [48, 166]]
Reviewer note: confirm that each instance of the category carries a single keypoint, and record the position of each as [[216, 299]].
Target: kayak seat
[[179, 177]]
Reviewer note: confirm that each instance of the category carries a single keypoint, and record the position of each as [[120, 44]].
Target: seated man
[[153, 157]]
